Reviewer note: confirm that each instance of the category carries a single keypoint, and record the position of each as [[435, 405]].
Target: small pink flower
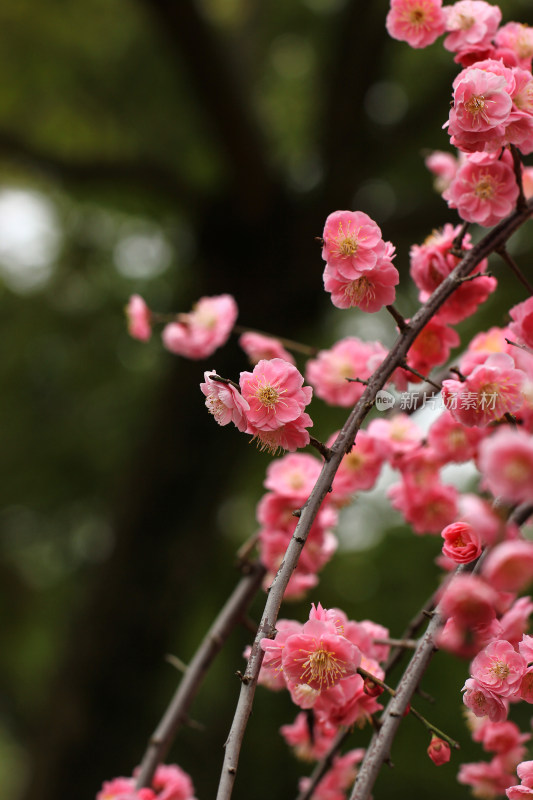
[[417, 22], [482, 101], [431, 347], [427, 511], [352, 243], [490, 391], [259, 347], [359, 469], [274, 393], [224, 402], [499, 668], [398, 436], [370, 291], [432, 261], [207, 327], [293, 476], [319, 657], [506, 463], [470, 601], [509, 566], [123, 789], [439, 750], [172, 783], [484, 189], [139, 318], [483, 702], [519, 39], [470, 24], [515, 622], [525, 773], [488, 780], [306, 746], [462, 543], [348, 358], [522, 324], [443, 166], [452, 440]]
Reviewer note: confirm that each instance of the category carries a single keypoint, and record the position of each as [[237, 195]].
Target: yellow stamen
[[322, 667]]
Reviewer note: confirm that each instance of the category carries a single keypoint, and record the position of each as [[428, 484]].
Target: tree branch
[[494, 239], [176, 713]]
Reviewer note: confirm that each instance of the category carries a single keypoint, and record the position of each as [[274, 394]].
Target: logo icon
[[384, 400]]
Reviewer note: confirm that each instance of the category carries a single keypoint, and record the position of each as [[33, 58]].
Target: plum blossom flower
[[431, 347], [417, 22], [293, 476], [432, 261], [274, 393], [259, 347], [291, 436], [199, 333], [370, 291], [319, 657], [359, 469], [518, 38], [470, 24], [351, 240], [139, 318], [484, 189], [462, 543], [305, 747], [484, 702], [522, 324], [506, 463], [224, 401], [487, 779], [123, 789], [499, 668], [348, 358], [470, 601], [452, 440], [509, 565], [443, 166], [490, 391]]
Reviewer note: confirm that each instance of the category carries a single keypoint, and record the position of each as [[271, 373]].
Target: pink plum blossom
[[443, 166], [207, 327], [351, 240], [224, 401], [518, 38], [470, 601], [490, 391], [274, 393], [306, 746], [319, 656], [432, 261], [509, 566], [359, 469], [506, 463], [259, 347], [515, 622], [293, 475], [481, 106], [499, 668], [462, 543], [338, 779], [470, 24], [431, 347], [139, 318], [484, 189], [123, 789], [172, 783], [522, 325], [484, 702], [488, 780], [370, 291], [398, 435], [452, 440], [417, 22], [348, 358]]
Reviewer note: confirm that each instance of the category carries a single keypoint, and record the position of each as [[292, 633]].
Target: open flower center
[[322, 667], [268, 395], [359, 289], [485, 188], [475, 105], [500, 669]]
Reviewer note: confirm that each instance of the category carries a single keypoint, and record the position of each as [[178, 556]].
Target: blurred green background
[[176, 149]]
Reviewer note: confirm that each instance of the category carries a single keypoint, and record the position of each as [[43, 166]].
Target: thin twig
[[517, 166], [176, 714], [404, 365], [521, 346], [398, 318], [457, 245], [495, 238], [321, 447], [502, 251]]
